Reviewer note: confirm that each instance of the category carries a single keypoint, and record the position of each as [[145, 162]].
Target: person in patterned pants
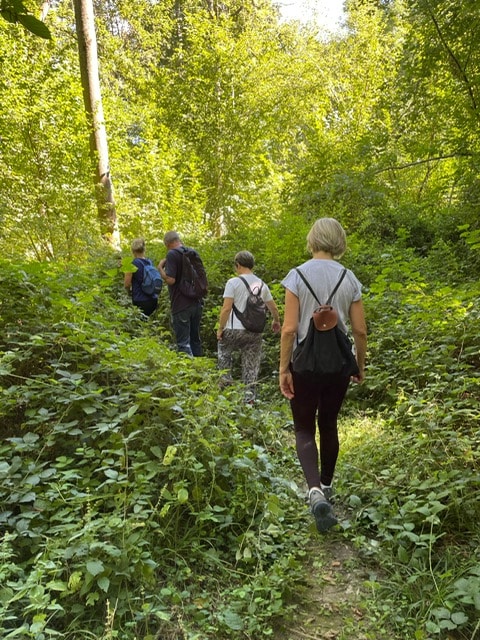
[[232, 335]]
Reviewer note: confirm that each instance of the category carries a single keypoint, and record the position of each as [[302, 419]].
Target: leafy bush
[[140, 501], [413, 480], [137, 499]]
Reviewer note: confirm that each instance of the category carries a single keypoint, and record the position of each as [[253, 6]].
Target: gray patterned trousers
[[250, 346]]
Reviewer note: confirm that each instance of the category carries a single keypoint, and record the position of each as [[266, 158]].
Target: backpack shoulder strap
[[182, 251], [234, 308], [330, 297], [308, 284], [250, 290], [342, 275], [245, 282]]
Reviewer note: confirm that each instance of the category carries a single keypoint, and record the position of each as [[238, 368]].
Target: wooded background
[[220, 117]]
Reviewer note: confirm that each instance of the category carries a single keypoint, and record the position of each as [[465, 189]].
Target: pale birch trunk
[[87, 50]]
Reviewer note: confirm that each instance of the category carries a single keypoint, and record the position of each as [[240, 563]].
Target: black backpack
[[152, 281], [193, 279], [326, 349], [254, 317]]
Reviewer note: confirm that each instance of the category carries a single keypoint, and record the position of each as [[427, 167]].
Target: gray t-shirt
[[237, 290], [322, 276]]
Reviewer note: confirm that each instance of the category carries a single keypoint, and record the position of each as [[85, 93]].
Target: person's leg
[[147, 307], [332, 394], [304, 408], [251, 355], [195, 320], [181, 327], [226, 346]]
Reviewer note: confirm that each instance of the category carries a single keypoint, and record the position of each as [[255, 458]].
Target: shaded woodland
[[137, 500]]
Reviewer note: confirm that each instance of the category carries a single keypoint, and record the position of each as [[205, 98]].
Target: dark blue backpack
[[152, 281]]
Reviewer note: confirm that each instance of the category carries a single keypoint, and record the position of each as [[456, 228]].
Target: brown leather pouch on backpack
[[325, 318]]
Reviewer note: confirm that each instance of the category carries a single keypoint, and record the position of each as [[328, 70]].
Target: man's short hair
[[245, 259], [138, 245], [170, 236]]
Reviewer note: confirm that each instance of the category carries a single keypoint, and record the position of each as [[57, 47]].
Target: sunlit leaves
[[15, 11], [45, 188]]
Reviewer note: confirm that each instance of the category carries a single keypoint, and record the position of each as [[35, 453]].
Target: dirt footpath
[[332, 603]]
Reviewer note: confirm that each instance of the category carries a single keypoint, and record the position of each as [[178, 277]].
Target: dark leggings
[[317, 399], [147, 306]]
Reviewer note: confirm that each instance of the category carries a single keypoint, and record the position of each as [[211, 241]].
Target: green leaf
[[182, 496], [103, 583], [128, 266], [133, 409], [57, 585], [459, 618], [169, 454], [233, 620], [4, 467], [35, 26], [94, 567]]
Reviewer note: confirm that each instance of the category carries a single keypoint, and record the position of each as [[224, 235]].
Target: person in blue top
[[133, 281]]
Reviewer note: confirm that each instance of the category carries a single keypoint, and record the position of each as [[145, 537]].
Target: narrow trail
[[331, 605]]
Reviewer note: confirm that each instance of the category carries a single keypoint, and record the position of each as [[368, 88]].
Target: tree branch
[[407, 165], [453, 58]]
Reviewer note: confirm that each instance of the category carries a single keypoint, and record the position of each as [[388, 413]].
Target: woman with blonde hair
[[316, 399], [146, 302]]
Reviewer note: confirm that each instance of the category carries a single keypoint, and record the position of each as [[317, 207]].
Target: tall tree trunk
[[92, 97]]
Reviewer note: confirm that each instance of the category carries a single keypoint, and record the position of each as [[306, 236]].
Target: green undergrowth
[[413, 509], [137, 500], [410, 468]]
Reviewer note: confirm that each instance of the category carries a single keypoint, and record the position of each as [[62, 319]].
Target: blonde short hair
[[138, 245], [328, 235]]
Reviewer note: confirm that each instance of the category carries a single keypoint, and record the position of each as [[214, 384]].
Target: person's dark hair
[[245, 259], [138, 245], [170, 236], [328, 235]]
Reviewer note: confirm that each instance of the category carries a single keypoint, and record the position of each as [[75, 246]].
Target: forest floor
[[333, 602]]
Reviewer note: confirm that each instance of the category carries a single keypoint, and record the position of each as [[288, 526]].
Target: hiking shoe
[[328, 493], [322, 511]]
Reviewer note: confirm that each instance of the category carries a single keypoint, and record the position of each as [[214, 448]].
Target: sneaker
[[322, 511], [328, 493]]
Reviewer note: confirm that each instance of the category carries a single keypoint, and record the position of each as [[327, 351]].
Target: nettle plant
[[138, 500]]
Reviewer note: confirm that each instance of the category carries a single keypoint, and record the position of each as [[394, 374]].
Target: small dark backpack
[[326, 349], [152, 281], [193, 280], [254, 317]]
